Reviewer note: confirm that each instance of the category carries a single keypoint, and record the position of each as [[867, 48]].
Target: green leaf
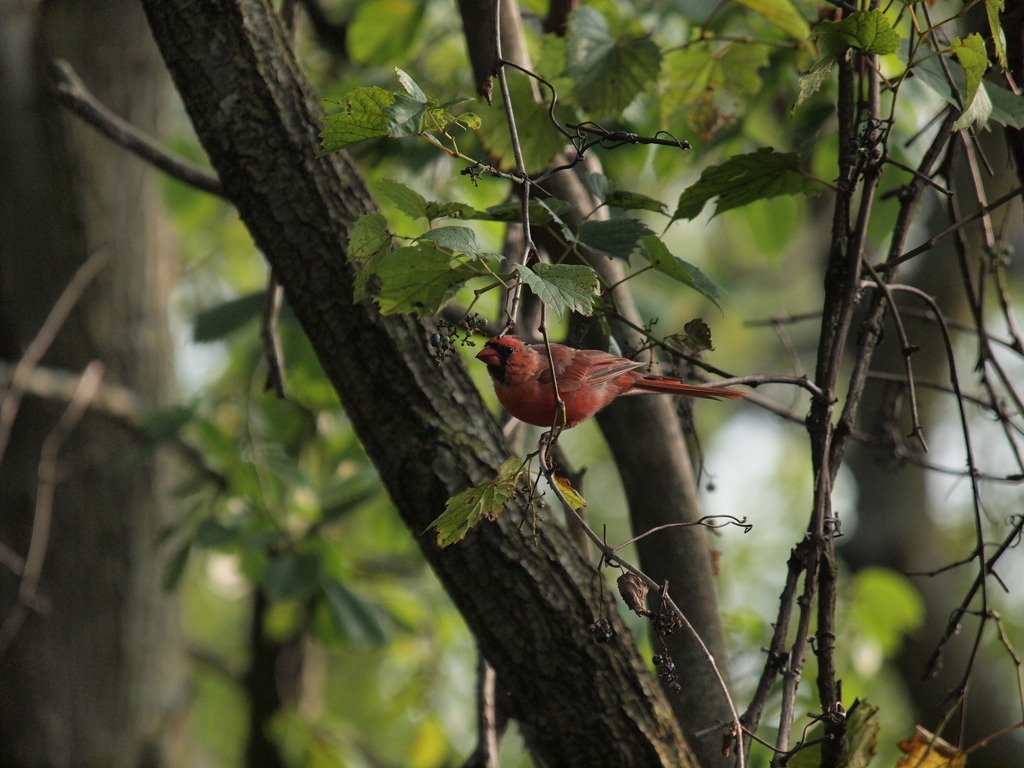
[[409, 201], [436, 210], [740, 63], [417, 279], [356, 620], [862, 727], [459, 239], [539, 140], [886, 606], [689, 72], [618, 237], [576, 501], [977, 113], [218, 322], [867, 31], [540, 213], [290, 576], [972, 57], [687, 274], [744, 178], [992, 9], [369, 238], [635, 201], [782, 14], [362, 117], [609, 73], [368, 243], [1007, 107], [175, 567], [562, 286], [471, 120], [382, 31], [598, 184], [485, 501]]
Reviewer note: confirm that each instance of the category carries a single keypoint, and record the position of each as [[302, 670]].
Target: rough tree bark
[[93, 680], [528, 603]]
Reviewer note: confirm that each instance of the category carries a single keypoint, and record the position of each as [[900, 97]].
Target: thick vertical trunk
[[90, 681]]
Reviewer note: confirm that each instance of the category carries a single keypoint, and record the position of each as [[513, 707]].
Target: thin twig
[[48, 475], [708, 521], [609, 555], [44, 338], [73, 94], [933, 241], [907, 351]]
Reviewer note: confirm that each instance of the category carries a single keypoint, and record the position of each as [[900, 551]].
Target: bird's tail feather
[[668, 386]]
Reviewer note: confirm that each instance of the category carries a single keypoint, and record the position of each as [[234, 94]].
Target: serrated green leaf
[[618, 237], [218, 322], [867, 31], [369, 238], [438, 210], [609, 73], [459, 239], [782, 14], [540, 213], [291, 576], [539, 140], [688, 72], [703, 66], [382, 31], [405, 117], [362, 117], [992, 9], [740, 63], [356, 620], [634, 201], [977, 113], [663, 261], [368, 243], [972, 57], [409, 201], [484, 502], [1007, 107], [862, 727], [175, 567], [742, 179], [562, 286], [418, 279]]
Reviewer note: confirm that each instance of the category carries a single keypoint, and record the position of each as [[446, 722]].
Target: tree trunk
[[527, 601], [90, 680]]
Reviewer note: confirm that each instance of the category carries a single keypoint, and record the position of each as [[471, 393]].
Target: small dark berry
[[435, 339]]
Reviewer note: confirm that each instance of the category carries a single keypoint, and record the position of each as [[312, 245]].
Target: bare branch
[[72, 93]]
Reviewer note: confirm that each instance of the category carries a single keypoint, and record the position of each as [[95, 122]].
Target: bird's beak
[[488, 356]]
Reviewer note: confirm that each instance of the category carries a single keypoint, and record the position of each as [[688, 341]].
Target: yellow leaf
[[576, 501], [926, 750]]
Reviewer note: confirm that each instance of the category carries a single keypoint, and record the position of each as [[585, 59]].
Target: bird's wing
[[587, 366]]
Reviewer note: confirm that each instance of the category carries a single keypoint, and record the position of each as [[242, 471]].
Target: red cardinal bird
[[588, 380]]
